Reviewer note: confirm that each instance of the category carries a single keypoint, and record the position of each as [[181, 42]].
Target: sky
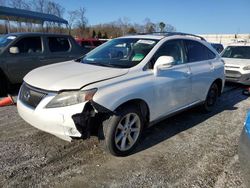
[[192, 16]]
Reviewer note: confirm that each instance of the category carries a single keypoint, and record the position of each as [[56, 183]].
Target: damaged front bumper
[[91, 115], [64, 122]]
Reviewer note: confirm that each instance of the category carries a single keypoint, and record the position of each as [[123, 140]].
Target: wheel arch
[[141, 104], [219, 83]]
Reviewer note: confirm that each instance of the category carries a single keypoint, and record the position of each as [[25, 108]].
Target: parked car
[[22, 52], [157, 76], [218, 47], [244, 150], [89, 44], [237, 63]]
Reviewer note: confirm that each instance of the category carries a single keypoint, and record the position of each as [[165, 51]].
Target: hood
[[236, 62], [70, 75]]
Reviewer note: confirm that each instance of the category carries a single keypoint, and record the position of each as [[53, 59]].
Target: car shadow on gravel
[[186, 120]]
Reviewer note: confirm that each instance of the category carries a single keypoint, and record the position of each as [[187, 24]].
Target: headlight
[[68, 98], [247, 67]]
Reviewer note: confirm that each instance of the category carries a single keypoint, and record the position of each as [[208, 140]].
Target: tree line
[[77, 22]]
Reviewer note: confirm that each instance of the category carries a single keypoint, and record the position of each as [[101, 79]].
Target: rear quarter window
[[59, 44], [198, 52]]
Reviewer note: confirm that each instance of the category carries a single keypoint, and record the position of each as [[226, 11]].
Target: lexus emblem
[[26, 95]]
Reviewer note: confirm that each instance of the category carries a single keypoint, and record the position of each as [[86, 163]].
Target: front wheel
[[211, 99], [123, 131]]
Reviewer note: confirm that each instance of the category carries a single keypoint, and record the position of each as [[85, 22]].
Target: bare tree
[[81, 20], [149, 26], [132, 30], [124, 24], [40, 5], [55, 9], [170, 28], [71, 19]]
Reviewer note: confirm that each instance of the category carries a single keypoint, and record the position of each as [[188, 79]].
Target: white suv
[[121, 93], [237, 63]]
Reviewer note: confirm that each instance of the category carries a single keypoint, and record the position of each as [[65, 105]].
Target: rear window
[[59, 44], [240, 52], [198, 52]]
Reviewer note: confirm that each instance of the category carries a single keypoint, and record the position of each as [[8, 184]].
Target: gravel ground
[[191, 149]]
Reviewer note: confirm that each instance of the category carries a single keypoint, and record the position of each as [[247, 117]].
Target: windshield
[[240, 52], [120, 53], [5, 40]]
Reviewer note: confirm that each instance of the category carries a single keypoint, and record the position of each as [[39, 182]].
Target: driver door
[[26, 59], [172, 87]]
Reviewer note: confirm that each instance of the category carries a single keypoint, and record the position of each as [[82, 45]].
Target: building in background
[[226, 39]]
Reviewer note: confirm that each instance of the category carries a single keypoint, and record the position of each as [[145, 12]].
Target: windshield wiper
[[101, 64]]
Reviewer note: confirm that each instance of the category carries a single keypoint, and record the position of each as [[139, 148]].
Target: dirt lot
[[191, 149]]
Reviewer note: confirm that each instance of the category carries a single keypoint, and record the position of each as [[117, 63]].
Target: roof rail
[[172, 34]]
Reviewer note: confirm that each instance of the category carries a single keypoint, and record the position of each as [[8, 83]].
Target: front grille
[[31, 96], [233, 74]]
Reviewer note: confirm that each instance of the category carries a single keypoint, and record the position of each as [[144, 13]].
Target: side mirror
[[14, 50], [162, 63]]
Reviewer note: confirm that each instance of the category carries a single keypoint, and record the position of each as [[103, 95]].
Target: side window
[[171, 48], [210, 54], [197, 51], [58, 44], [29, 45]]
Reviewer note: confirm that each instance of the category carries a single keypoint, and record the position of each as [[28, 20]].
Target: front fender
[[112, 98]]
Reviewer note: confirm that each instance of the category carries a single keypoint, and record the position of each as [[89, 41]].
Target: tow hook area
[[89, 118]]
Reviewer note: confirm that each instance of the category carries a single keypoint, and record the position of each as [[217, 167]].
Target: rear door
[[59, 49], [19, 64], [200, 61]]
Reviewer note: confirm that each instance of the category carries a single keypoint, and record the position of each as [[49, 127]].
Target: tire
[[211, 98], [121, 136], [3, 85]]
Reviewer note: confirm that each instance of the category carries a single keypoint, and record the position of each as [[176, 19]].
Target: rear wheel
[[123, 131], [211, 99]]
